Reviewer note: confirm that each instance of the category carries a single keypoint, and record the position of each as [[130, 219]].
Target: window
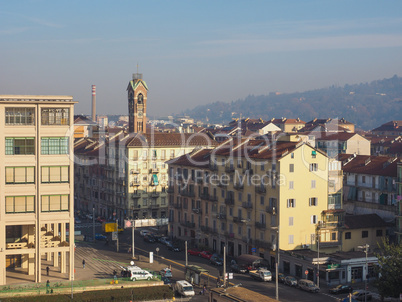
[[20, 204], [55, 203], [290, 221], [145, 202], [313, 184], [262, 200], [240, 196], [292, 155], [291, 185], [54, 145], [290, 239], [364, 179], [313, 219], [291, 168], [171, 153], [55, 174], [262, 167], [20, 116], [313, 167], [378, 233], [55, 116], [163, 154], [291, 203], [364, 234], [348, 235], [20, 145], [313, 201], [333, 236], [20, 175]]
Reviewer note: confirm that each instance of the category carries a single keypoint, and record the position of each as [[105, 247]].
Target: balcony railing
[[177, 205], [269, 209], [247, 205], [155, 194], [187, 224], [238, 220], [213, 167], [213, 198], [229, 201], [197, 211], [229, 169], [260, 225], [239, 186], [260, 190], [204, 196], [154, 170], [136, 195], [135, 183], [221, 216], [263, 244]]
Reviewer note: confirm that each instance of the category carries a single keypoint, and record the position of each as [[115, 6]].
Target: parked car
[[238, 269], [88, 216], [101, 219], [193, 252], [291, 281], [100, 237], [173, 247], [281, 277], [164, 240], [77, 220], [166, 281], [308, 286], [166, 272], [206, 255], [144, 232], [216, 260], [149, 238], [341, 289], [359, 295]]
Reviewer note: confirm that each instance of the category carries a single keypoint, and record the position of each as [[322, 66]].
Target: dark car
[[359, 295], [100, 237], [149, 238], [341, 289], [238, 269], [281, 277], [216, 260], [173, 247], [291, 281]]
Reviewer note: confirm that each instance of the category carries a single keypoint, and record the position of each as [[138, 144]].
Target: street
[[166, 257]]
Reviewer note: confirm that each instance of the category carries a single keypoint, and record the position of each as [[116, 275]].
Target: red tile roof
[[364, 221], [366, 164]]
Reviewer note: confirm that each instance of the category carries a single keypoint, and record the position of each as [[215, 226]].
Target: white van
[[137, 273], [184, 288]]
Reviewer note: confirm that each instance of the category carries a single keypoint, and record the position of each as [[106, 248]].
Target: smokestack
[[94, 103]]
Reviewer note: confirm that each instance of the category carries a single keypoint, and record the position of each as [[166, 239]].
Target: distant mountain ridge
[[367, 105]]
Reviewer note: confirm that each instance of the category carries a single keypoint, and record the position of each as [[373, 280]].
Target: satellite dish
[[132, 262]]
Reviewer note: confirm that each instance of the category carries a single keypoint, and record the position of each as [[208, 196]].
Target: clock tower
[[137, 104]]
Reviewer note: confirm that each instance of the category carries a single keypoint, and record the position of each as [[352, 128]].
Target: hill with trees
[[367, 105]]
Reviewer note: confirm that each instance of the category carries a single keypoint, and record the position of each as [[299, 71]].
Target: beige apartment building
[[36, 190], [237, 194]]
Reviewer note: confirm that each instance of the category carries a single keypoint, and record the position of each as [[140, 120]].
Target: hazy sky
[[194, 52]]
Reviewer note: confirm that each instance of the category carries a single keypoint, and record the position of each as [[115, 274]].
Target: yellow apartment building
[[237, 194], [36, 190]]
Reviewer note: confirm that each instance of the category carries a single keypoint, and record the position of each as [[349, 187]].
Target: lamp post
[[93, 223], [365, 247], [318, 256], [274, 213]]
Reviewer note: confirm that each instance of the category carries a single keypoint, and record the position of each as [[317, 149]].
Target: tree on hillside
[[389, 269]]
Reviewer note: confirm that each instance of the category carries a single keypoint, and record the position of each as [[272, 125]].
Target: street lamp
[[274, 213], [93, 223], [365, 247]]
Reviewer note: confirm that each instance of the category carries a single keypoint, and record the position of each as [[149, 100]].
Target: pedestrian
[[47, 270], [204, 289], [114, 275], [47, 286], [83, 263]]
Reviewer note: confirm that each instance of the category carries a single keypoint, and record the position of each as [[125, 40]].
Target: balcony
[[154, 206], [197, 211], [221, 216], [269, 209], [229, 201], [329, 224], [155, 194], [177, 205], [263, 244], [135, 183], [260, 225], [134, 171], [213, 198], [153, 170], [206, 230], [239, 186], [204, 196], [260, 190], [137, 206], [247, 205], [188, 224], [238, 220], [248, 171], [213, 167], [136, 195], [247, 240], [229, 169], [187, 193], [222, 184]]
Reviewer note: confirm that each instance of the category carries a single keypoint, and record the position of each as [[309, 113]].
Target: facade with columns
[[36, 188]]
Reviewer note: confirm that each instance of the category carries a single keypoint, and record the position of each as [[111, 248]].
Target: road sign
[[230, 275], [306, 272], [114, 236], [253, 250], [127, 223], [157, 249]]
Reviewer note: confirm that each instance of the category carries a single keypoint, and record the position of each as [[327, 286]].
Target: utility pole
[[117, 234], [186, 254], [132, 238], [224, 266], [275, 212], [93, 223], [318, 260]]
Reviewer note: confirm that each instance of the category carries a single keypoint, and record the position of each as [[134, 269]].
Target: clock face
[[140, 113]]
